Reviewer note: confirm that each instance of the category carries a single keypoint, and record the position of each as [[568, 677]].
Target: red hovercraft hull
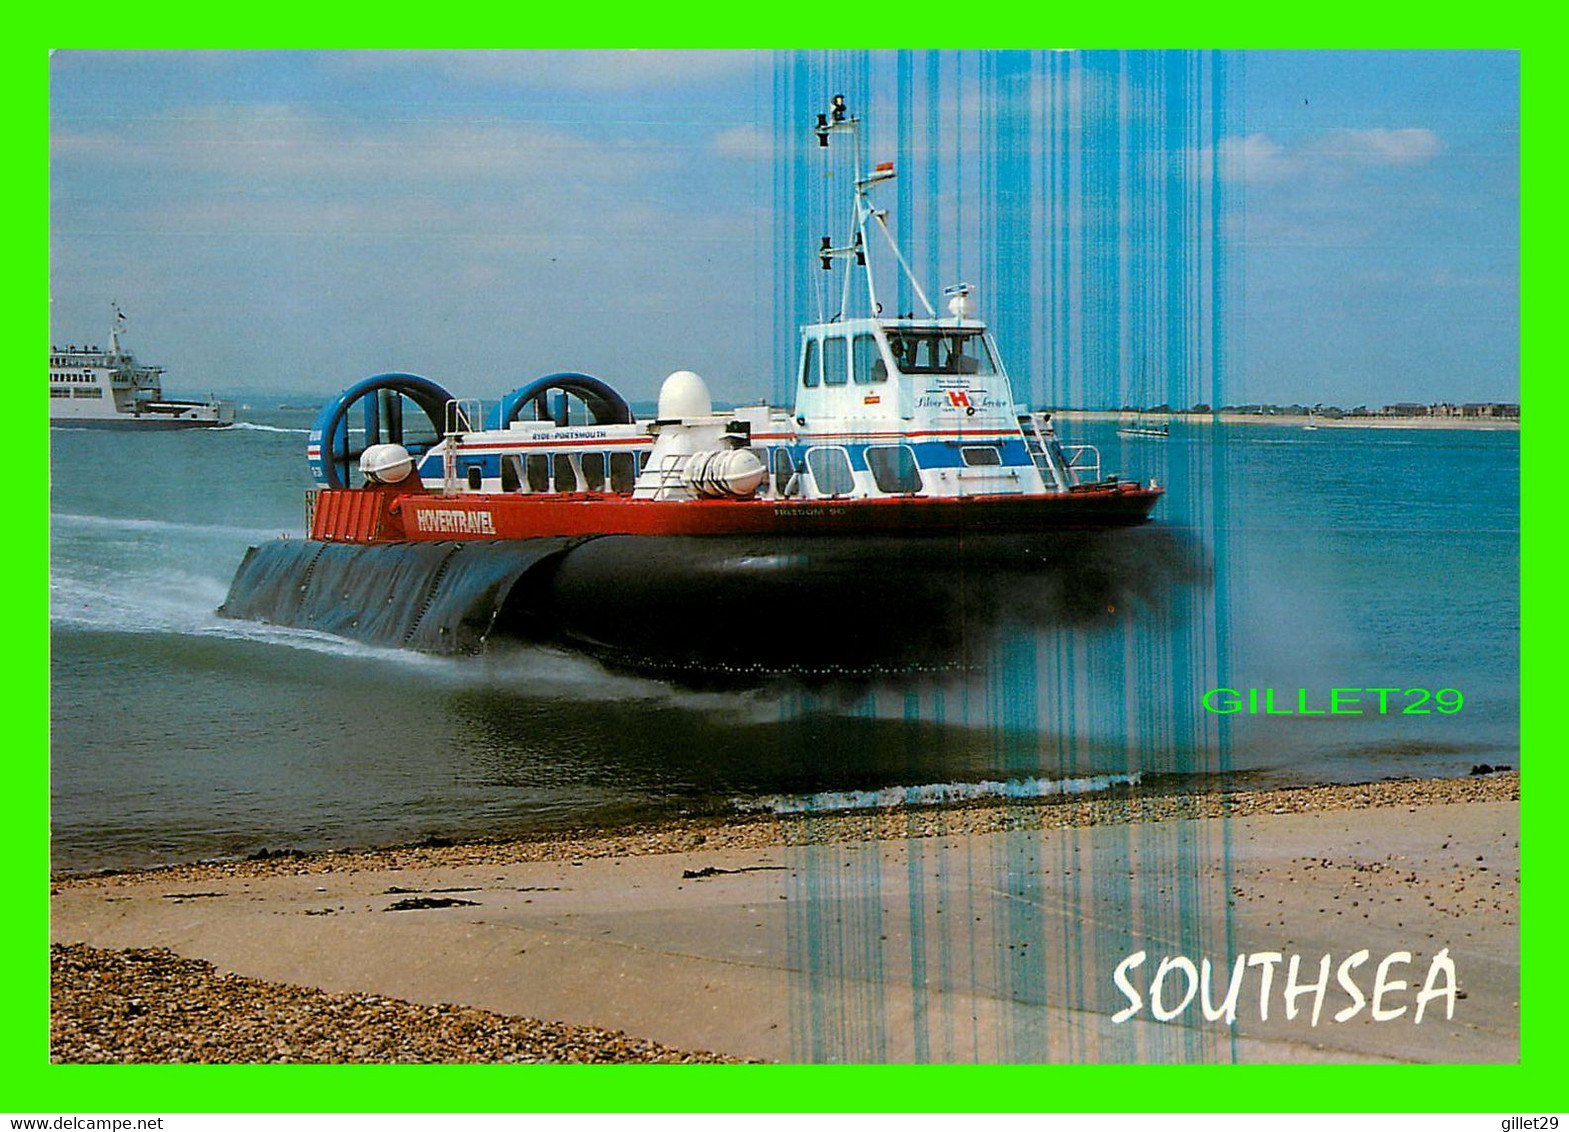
[[399, 515]]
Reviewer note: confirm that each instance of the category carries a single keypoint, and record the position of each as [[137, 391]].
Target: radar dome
[[386, 463], [684, 394]]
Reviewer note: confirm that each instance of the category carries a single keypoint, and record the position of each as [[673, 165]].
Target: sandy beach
[[824, 938]]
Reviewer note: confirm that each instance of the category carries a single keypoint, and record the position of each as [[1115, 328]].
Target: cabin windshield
[[941, 351]]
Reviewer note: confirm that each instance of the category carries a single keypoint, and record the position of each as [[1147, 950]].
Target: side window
[[981, 457], [476, 477], [868, 362], [623, 471], [830, 468], [593, 471], [834, 359], [893, 469], [561, 465], [510, 477], [538, 469], [809, 369], [784, 470], [763, 455]]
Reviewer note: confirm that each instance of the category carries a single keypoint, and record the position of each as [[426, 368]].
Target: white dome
[[386, 463], [684, 395]]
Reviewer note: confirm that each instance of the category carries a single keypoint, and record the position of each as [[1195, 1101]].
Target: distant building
[[1471, 410], [1490, 409]]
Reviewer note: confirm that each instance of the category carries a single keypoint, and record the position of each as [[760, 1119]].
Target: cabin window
[[475, 477], [593, 464], [538, 468], [984, 456], [561, 465], [810, 374], [762, 456], [893, 469], [834, 361], [941, 352], [59, 392], [867, 361], [510, 476], [830, 468], [784, 471], [623, 471]]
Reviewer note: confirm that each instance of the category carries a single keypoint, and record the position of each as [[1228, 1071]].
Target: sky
[[292, 221]]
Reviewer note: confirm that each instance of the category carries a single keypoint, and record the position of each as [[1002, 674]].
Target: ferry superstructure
[[91, 387], [904, 424]]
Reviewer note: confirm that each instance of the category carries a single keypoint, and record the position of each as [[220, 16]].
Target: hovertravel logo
[[455, 522]]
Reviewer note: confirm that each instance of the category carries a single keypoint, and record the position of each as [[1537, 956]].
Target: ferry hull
[[133, 424]]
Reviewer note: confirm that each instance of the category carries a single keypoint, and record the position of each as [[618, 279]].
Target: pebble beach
[[160, 966]]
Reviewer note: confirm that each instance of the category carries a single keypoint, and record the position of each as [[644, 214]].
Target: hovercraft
[[903, 474]]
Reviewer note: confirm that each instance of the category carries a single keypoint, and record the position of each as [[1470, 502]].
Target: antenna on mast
[[838, 118]]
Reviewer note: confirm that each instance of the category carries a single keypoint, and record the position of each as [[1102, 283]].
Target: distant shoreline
[[1285, 420]]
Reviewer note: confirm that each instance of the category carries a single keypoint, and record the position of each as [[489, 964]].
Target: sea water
[[1335, 558]]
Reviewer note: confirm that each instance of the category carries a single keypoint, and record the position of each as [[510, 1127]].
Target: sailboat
[[1143, 423]]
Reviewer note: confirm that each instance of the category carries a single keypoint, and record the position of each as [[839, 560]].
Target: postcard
[[922, 557]]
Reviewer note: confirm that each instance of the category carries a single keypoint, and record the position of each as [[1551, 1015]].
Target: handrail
[[669, 471], [1081, 470], [460, 417]]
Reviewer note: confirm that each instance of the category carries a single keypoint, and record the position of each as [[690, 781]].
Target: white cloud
[[279, 170], [1382, 147], [746, 140], [588, 71], [1256, 159], [285, 146], [1332, 155]]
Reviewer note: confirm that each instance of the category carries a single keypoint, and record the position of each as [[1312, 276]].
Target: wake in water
[[159, 577], [61, 522], [251, 426], [933, 794]]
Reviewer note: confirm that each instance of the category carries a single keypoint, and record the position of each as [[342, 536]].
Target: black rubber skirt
[[717, 607]]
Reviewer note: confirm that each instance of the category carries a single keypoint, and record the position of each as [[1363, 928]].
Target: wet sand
[[823, 938]]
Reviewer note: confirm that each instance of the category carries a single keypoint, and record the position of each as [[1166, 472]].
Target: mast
[[838, 119], [114, 328]]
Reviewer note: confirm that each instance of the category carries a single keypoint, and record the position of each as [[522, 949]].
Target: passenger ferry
[[94, 388], [903, 424], [556, 515]]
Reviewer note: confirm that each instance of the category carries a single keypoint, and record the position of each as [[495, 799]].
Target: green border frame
[[32, 1084]]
